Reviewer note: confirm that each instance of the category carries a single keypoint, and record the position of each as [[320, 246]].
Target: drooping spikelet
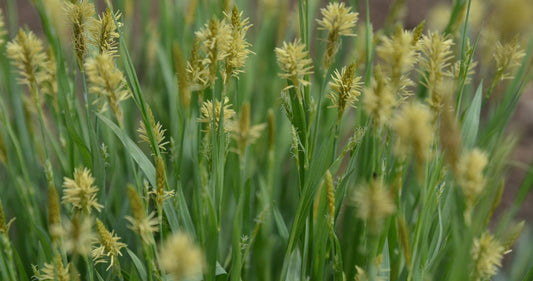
[[78, 235], [109, 246], [158, 132], [143, 225], [80, 191], [379, 99], [412, 127], [107, 81], [53, 271], [346, 89], [374, 203], [26, 53], [241, 130], [294, 62], [3, 31], [470, 176], [104, 32], [80, 15], [215, 38], [487, 254], [398, 54], [207, 114], [238, 46], [339, 21], [180, 256], [437, 52]]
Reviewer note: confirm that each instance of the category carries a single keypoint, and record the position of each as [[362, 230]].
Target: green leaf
[[138, 265], [471, 119]]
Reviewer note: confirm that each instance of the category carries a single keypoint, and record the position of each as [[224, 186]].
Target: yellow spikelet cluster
[[104, 32], [436, 55], [109, 246], [238, 46], [330, 193], [207, 114], [508, 58], [470, 176], [80, 15], [196, 72], [107, 81], [180, 257], [26, 53], [399, 55], [346, 89], [80, 191], [49, 76], [374, 204], [160, 175], [294, 62], [215, 40], [158, 131], [487, 254], [242, 131], [53, 271], [141, 224], [339, 21], [412, 127], [379, 100]]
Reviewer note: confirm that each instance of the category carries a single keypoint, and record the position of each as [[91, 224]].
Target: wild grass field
[[263, 140]]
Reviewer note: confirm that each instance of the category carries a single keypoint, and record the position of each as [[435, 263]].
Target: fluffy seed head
[[346, 89], [80, 15], [180, 256], [158, 131], [487, 254], [104, 32], [508, 58], [26, 53], [294, 62], [108, 246], [141, 224], [215, 38], [469, 174], [337, 18], [241, 130], [374, 203], [196, 71], [78, 235], [379, 100], [107, 81], [80, 191], [207, 114], [53, 271], [238, 46], [413, 130]]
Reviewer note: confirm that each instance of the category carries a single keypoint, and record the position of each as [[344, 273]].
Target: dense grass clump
[[260, 141]]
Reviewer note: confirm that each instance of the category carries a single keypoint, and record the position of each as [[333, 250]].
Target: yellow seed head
[[508, 58], [414, 132], [339, 21], [294, 62], [197, 73], [107, 81], [470, 176], [379, 99], [181, 75], [346, 89], [104, 32], [207, 114], [487, 254], [158, 131], [48, 76], [330, 193], [215, 38], [108, 246], [143, 225], [374, 204], [437, 52], [26, 53], [238, 46], [80, 15], [161, 180], [180, 256], [80, 191]]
